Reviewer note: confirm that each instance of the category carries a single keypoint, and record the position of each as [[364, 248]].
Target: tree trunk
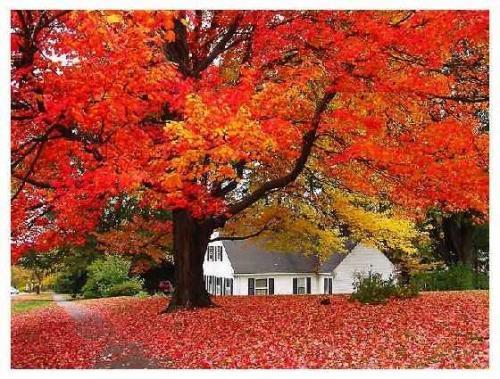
[[458, 230], [190, 243]]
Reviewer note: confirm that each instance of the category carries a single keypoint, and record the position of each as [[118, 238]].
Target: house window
[[228, 286], [219, 253], [327, 286], [261, 286], [210, 253], [210, 278], [218, 289], [301, 285]]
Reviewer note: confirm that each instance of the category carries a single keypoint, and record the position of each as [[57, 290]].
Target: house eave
[[278, 273]]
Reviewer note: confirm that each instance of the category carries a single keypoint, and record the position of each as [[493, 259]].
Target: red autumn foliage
[[176, 107], [439, 330]]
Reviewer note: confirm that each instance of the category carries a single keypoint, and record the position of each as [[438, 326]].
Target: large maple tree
[[330, 118]]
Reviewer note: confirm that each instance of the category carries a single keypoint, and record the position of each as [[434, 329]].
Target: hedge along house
[[247, 268]]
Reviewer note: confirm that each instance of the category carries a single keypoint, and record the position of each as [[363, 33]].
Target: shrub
[[456, 277], [374, 289], [482, 281], [109, 277], [371, 288], [407, 291], [128, 288], [70, 282]]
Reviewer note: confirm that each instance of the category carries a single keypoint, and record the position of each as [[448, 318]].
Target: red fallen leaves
[[49, 338], [442, 330]]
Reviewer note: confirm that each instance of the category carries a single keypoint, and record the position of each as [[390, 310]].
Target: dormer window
[[219, 253], [210, 253]]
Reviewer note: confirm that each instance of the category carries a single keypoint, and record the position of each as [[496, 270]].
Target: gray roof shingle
[[249, 257]]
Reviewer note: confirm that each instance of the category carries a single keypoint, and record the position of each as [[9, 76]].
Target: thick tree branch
[[220, 47], [307, 145], [34, 182], [240, 238], [26, 176]]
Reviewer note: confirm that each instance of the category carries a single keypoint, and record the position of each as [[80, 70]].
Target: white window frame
[[227, 288], [218, 252], [266, 288], [304, 278], [218, 287], [210, 253], [329, 287]]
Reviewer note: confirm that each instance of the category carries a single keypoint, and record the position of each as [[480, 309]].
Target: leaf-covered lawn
[[49, 338], [435, 330]]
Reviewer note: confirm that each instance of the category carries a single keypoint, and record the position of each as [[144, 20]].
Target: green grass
[[28, 302]]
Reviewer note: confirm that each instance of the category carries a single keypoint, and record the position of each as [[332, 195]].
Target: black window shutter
[[223, 286], [251, 286], [308, 285], [231, 284], [271, 286], [295, 286], [330, 286], [325, 285]]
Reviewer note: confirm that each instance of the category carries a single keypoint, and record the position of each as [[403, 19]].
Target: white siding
[[283, 282], [220, 269], [362, 259]]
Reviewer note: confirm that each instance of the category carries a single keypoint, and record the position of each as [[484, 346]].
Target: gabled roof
[[250, 257]]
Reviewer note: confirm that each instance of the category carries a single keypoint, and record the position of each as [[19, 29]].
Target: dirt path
[[116, 353]]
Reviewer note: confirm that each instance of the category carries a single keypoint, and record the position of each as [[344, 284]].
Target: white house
[[247, 268]]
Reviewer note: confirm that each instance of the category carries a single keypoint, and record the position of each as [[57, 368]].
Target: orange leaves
[[170, 36], [110, 86], [114, 18], [172, 182]]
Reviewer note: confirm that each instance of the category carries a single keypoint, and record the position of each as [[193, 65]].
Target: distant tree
[[40, 265], [72, 271]]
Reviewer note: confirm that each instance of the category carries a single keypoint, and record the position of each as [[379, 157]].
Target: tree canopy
[[320, 123]]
